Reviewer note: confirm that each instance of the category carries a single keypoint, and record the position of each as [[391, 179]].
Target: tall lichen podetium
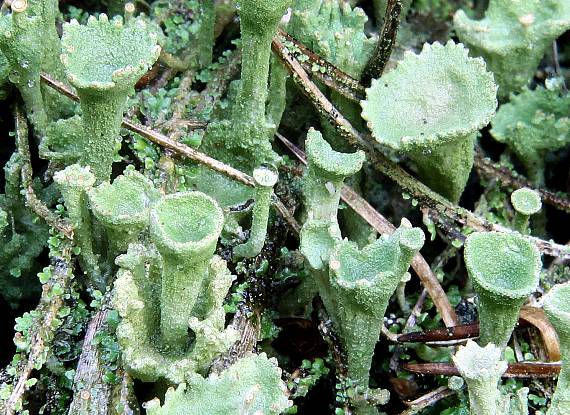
[[74, 182], [446, 98], [513, 37], [481, 368], [103, 60], [20, 33], [361, 283], [264, 179], [185, 228], [322, 185], [557, 308], [532, 124], [244, 141], [504, 269]]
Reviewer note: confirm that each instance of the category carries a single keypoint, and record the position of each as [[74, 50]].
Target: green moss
[[429, 88]]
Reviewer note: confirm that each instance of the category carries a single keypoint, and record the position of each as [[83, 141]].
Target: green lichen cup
[[103, 60], [123, 208], [504, 269], [557, 308], [513, 37], [430, 107], [481, 368], [361, 284], [526, 203], [185, 228]]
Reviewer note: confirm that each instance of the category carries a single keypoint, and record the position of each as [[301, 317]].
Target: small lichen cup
[[526, 203], [123, 208], [185, 228], [103, 60], [557, 308], [264, 179], [481, 368], [430, 108], [504, 269]]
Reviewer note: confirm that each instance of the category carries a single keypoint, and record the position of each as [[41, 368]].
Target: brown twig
[[377, 62], [321, 69], [42, 332], [422, 193], [32, 200], [514, 370], [182, 149], [426, 400], [384, 227], [508, 178]]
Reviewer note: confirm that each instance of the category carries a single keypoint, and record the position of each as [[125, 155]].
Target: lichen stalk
[[264, 179], [557, 308], [102, 113], [185, 228]]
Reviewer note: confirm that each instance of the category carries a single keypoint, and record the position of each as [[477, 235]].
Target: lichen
[[513, 36], [429, 88], [557, 308], [504, 269], [97, 64], [250, 386], [534, 123]]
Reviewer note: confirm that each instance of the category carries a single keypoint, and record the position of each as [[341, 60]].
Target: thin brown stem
[[426, 400], [32, 200], [514, 370], [377, 63]]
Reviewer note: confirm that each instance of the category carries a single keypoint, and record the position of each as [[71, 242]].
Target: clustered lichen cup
[[185, 228]]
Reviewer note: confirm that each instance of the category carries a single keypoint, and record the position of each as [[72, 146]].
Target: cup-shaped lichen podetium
[[430, 107], [103, 60], [362, 282], [513, 37], [325, 176], [185, 228], [526, 203], [481, 368], [557, 308], [504, 269], [123, 208]]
